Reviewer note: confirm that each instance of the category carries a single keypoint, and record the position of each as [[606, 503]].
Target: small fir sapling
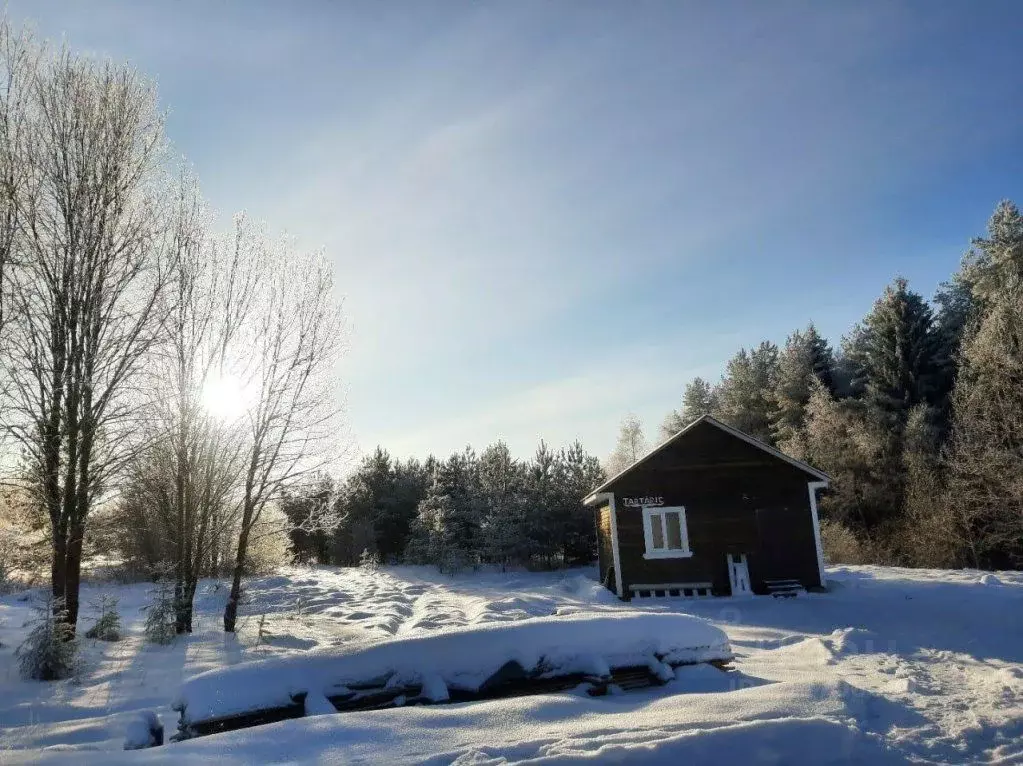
[[161, 613], [369, 560], [50, 651], [108, 621]]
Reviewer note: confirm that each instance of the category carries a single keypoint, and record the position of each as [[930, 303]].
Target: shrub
[[108, 620], [841, 546], [50, 652]]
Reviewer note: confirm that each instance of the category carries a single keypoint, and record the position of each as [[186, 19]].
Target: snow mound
[[847, 641], [144, 730], [462, 658]]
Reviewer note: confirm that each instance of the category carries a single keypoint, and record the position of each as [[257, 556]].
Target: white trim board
[[812, 487], [616, 559], [809, 469]]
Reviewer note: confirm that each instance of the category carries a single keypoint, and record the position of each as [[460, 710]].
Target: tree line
[[917, 416], [470, 509], [121, 308]]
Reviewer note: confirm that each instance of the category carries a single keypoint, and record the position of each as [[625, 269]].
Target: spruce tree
[[986, 454], [900, 355]]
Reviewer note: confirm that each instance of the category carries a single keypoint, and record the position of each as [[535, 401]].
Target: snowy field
[[891, 666]]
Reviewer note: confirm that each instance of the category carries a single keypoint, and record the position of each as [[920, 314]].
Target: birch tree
[[192, 469], [293, 421]]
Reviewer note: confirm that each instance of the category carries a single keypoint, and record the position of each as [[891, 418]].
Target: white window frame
[[648, 532]]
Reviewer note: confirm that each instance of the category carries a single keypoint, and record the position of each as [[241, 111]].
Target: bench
[[672, 590]]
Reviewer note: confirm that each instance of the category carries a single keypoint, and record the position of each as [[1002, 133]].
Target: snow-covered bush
[[161, 613], [108, 621], [840, 545], [7, 551], [145, 730], [369, 560], [50, 651], [270, 544]]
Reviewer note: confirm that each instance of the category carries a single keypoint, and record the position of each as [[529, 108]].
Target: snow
[[892, 665], [463, 658], [144, 731]]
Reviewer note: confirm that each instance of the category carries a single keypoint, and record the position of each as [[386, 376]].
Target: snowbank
[[462, 659]]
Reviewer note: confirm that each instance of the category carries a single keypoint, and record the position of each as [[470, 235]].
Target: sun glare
[[226, 397]]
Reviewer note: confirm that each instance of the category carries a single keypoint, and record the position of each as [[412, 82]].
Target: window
[[665, 532]]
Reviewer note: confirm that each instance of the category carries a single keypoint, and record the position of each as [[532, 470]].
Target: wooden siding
[[738, 499], [605, 554]]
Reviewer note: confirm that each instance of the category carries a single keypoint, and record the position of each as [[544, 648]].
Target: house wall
[[738, 499]]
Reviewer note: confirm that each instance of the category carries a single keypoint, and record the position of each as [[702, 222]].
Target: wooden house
[[711, 511]]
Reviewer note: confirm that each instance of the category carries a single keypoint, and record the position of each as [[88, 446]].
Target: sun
[[226, 397]]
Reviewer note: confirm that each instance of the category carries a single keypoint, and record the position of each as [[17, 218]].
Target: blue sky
[[545, 215]]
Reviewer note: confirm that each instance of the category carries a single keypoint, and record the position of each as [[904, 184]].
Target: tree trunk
[[73, 577], [231, 610], [58, 573]]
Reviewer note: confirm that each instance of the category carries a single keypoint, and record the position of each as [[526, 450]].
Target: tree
[[85, 291], [501, 487], [576, 533], [856, 450], [631, 446], [699, 398], [288, 364], [744, 396], [301, 502], [447, 528], [986, 451], [19, 64], [901, 352], [543, 477], [806, 357]]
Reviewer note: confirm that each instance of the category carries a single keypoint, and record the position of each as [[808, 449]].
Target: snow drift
[[462, 659]]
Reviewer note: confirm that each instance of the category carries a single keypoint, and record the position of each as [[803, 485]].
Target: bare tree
[[85, 291], [211, 295], [630, 447], [292, 423], [19, 58]]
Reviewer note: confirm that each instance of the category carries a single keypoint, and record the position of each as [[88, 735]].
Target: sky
[[546, 215]]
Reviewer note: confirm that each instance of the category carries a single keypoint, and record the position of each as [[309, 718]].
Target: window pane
[[674, 531], [658, 536]]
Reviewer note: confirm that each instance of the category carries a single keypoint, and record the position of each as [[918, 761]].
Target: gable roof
[[805, 467]]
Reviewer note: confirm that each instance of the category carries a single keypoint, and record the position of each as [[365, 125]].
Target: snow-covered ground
[[892, 665]]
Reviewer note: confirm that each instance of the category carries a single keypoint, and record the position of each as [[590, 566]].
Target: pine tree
[[542, 476], [806, 357], [580, 474], [501, 487], [447, 528], [699, 398], [744, 396]]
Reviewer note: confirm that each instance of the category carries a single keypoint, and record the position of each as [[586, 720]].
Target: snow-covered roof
[[805, 467]]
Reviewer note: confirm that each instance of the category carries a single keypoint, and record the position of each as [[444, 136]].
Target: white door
[[738, 574]]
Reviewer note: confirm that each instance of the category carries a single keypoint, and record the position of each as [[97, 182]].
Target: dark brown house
[[711, 511]]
